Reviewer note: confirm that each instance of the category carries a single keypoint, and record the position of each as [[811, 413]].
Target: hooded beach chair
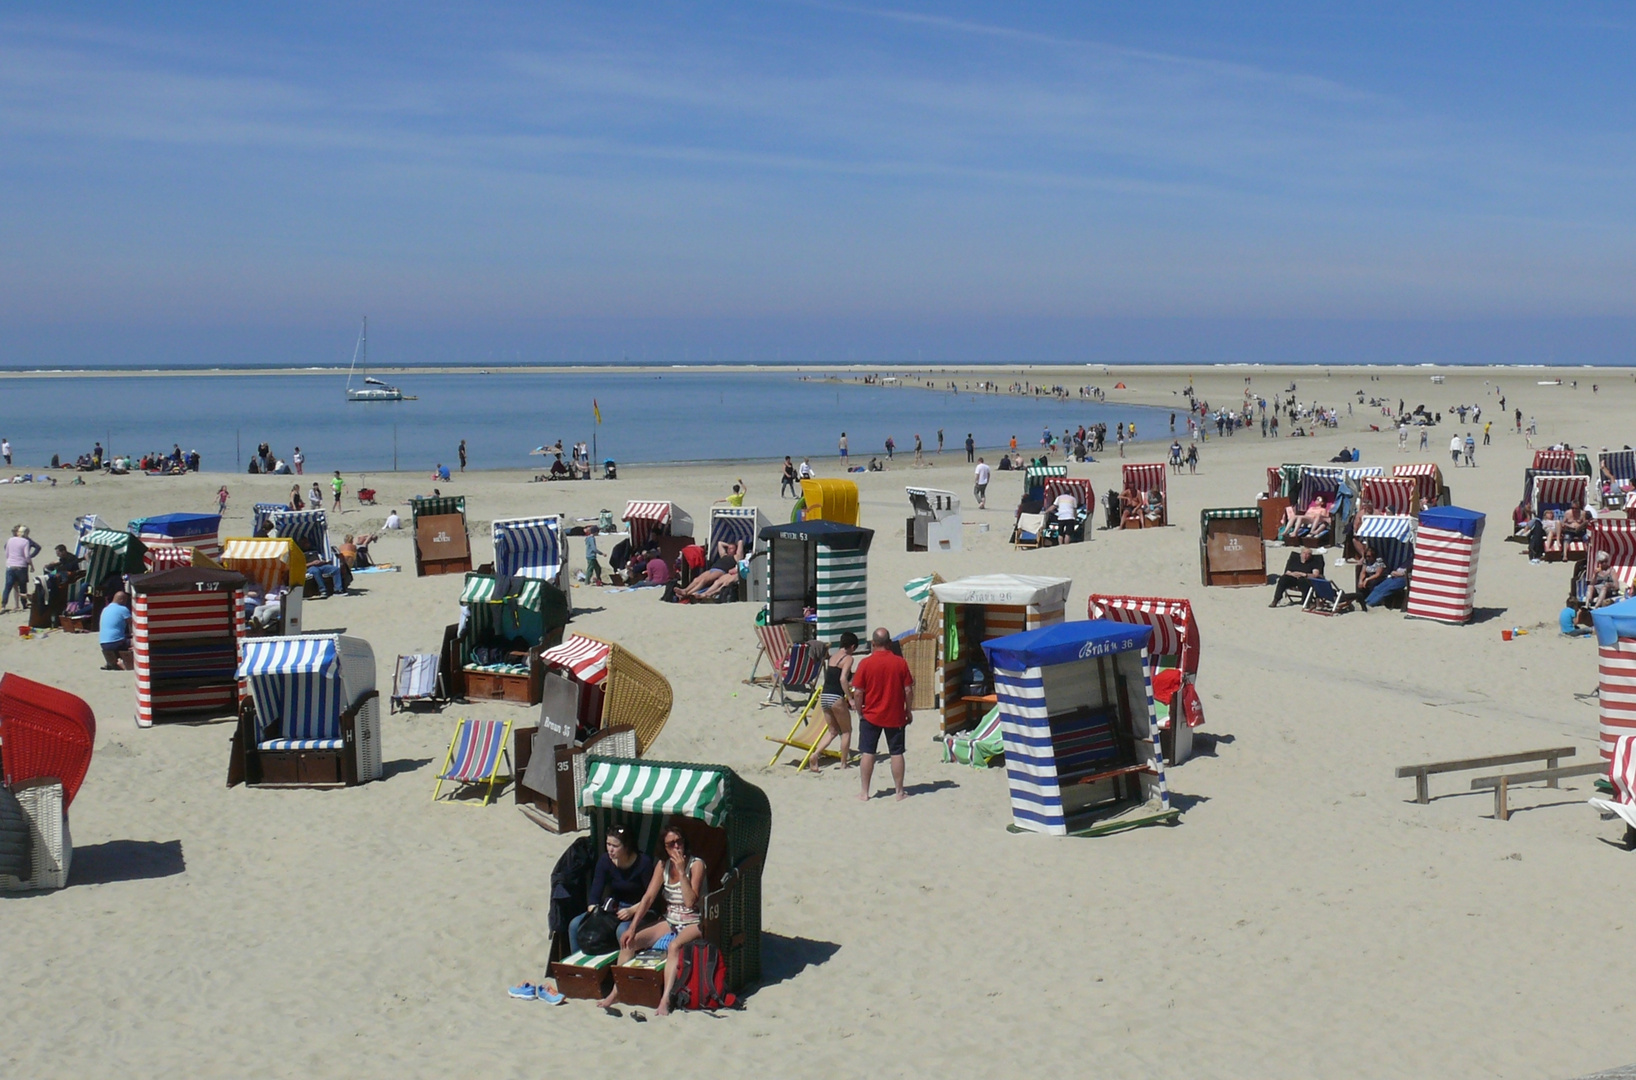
[[417, 679], [311, 714], [475, 754]]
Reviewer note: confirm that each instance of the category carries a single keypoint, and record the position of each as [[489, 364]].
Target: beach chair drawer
[[495, 686], [586, 983], [300, 767], [640, 987]]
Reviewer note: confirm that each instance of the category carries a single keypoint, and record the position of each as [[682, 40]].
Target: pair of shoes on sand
[[530, 992]]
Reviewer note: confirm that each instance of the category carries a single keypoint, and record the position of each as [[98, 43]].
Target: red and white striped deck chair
[[1145, 478], [1558, 493], [1392, 494], [1622, 772], [799, 676], [475, 754], [1275, 481], [775, 646], [1428, 475]]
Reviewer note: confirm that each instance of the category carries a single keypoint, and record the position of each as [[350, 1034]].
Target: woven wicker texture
[[46, 732], [53, 851], [635, 694], [920, 651], [747, 830]]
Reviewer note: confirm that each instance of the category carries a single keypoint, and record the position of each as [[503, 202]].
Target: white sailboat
[[373, 389]]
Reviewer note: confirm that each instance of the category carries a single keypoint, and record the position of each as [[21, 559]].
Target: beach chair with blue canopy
[[1082, 748], [311, 714], [531, 548], [727, 821], [261, 517]]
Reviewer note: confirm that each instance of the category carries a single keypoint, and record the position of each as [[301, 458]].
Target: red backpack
[[701, 979]]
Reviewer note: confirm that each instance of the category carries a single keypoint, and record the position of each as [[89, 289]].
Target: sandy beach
[[1306, 918]]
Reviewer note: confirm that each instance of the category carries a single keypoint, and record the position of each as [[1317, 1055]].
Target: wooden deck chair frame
[[805, 734], [777, 630], [437, 697], [494, 776], [779, 692]]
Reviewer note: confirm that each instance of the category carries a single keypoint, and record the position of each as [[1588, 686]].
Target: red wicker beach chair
[[44, 733]]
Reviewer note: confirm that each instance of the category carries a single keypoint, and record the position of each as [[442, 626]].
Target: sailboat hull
[[375, 394]]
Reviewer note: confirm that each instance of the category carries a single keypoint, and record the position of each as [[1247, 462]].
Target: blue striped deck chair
[[474, 757], [1322, 598], [800, 675]]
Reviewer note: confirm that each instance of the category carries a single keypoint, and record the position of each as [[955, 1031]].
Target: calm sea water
[[684, 416]]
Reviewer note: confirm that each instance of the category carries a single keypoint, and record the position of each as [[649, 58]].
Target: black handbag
[[599, 933]]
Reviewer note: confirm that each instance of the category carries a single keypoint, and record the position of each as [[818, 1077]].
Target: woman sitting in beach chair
[[680, 877], [722, 573], [1571, 526], [1313, 523], [1130, 507]]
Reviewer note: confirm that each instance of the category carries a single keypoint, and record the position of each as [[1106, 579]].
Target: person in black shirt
[[1302, 567], [621, 875]]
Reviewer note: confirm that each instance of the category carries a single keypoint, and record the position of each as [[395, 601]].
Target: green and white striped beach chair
[[980, 747]]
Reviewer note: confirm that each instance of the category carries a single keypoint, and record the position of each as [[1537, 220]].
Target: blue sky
[[832, 181]]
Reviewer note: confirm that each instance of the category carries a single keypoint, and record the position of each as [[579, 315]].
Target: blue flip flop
[[525, 992]]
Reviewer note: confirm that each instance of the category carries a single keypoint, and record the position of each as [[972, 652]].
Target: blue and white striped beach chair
[[475, 754], [311, 715]]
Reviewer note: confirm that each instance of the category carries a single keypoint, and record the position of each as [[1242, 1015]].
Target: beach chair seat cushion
[[302, 744], [586, 960]]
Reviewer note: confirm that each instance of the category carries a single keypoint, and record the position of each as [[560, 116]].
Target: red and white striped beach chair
[[1392, 494], [474, 756]]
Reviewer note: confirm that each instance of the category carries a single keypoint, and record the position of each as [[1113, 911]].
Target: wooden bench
[[1502, 784], [1420, 772]]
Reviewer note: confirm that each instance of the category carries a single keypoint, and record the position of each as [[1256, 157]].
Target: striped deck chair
[[980, 747], [775, 646], [799, 677], [805, 734], [474, 757], [416, 680], [1622, 771], [1323, 598]]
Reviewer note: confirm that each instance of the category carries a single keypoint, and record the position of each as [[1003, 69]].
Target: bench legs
[[1502, 812]]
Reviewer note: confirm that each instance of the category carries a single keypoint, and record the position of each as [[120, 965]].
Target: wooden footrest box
[[582, 976], [641, 982]]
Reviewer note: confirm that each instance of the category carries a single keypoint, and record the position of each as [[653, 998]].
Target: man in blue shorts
[[880, 693]]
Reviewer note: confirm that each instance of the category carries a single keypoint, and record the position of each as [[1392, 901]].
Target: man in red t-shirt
[[880, 693]]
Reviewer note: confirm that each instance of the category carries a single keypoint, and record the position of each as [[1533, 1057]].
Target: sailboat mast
[[360, 349]]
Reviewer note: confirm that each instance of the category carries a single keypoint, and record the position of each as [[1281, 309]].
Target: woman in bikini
[[680, 875], [833, 701]]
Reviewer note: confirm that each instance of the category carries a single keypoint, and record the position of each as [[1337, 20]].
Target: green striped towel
[[583, 960]]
